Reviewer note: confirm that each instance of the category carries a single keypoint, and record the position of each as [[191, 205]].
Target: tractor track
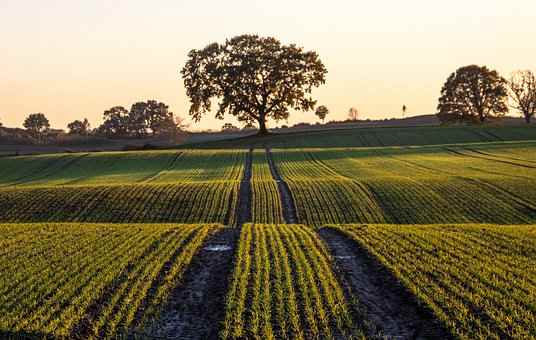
[[287, 202], [392, 312]]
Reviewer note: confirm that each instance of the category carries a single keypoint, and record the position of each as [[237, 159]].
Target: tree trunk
[[262, 125], [527, 119]]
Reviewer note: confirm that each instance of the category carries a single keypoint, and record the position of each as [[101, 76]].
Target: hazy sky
[[72, 59]]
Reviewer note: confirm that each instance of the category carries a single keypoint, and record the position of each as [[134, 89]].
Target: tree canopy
[[79, 127], [36, 123], [144, 118], [321, 112], [473, 94], [253, 78]]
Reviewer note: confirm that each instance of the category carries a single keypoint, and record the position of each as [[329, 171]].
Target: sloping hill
[[371, 137]]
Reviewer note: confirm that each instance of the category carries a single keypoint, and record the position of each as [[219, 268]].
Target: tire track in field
[[503, 157], [392, 312], [479, 156], [170, 166], [287, 202], [243, 208], [487, 186], [45, 170], [196, 307]]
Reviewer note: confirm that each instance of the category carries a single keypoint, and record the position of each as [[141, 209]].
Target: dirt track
[[392, 311], [197, 306], [287, 202], [243, 213]]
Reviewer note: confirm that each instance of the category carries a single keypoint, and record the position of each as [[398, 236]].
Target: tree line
[[149, 118], [257, 78]]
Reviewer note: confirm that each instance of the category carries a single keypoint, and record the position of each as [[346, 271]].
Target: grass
[[479, 280], [90, 280], [283, 287]]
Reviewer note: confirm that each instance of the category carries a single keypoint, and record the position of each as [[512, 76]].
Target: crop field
[[377, 137], [299, 241], [440, 184], [478, 280], [156, 186], [283, 287], [90, 280], [266, 204]]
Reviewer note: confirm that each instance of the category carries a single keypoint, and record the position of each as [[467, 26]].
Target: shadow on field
[[392, 312], [23, 335]]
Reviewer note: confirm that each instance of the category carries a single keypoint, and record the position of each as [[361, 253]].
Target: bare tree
[[353, 113], [522, 85]]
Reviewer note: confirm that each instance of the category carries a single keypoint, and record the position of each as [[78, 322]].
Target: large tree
[[37, 124], [473, 94], [253, 78], [522, 86]]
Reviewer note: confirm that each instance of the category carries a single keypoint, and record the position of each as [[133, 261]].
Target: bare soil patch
[[196, 307], [392, 311], [243, 213]]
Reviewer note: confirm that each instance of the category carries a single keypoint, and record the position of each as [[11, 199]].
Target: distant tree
[[254, 78], [404, 109], [229, 127], [150, 117], [321, 112], [522, 87], [353, 114], [115, 122], [473, 94], [37, 124], [79, 127]]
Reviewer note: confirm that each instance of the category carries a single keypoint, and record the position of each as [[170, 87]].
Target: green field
[[436, 239], [90, 280], [377, 137], [463, 183], [479, 280]]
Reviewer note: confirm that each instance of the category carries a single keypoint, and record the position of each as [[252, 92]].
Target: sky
[[72, 59]]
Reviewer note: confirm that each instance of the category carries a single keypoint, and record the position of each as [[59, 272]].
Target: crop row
[[185, 203], [88, 169], [90, 281], [284, 287], [322, 196], [478, 280], [266, 202], [428, 185]]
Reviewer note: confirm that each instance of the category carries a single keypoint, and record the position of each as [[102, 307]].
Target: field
[[283, 287], [90, 280], [377, 137], [319, 236], [479, 280]]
